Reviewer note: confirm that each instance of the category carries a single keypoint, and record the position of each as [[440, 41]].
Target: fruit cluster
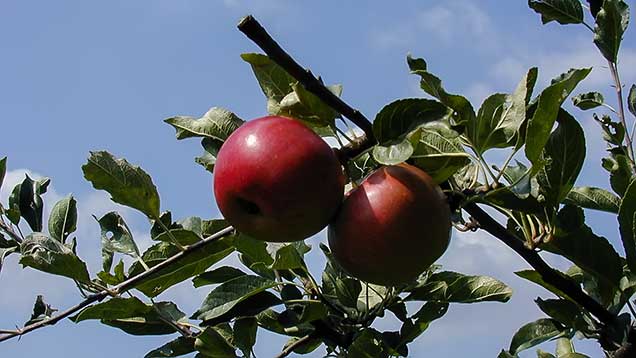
[[276, 180]]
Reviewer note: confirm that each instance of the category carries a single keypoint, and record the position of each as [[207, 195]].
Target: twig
[[122, 287], [255, 32], [548, 274], [290, 348], [4, 227], [621, 112]]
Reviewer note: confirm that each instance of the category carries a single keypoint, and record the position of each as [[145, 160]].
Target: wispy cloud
[[444, 25]]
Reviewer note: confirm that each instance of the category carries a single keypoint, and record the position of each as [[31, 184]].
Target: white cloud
[[447, 24]]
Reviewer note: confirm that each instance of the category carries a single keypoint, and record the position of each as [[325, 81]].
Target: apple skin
[[392, 227], [276, 180]]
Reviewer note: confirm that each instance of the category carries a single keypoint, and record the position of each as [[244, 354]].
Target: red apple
[[392, 227], [276, 180]]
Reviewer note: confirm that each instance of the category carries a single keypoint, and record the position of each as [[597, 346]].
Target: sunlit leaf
[[561, 11], [593, 198], [534, 333], [229, 294], [127, 184], [49, 255], [548, 107], [450, 286], [611, 23], [398, 118], [216, 124]]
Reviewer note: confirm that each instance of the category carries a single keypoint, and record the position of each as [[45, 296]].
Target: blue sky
[[86, 75]]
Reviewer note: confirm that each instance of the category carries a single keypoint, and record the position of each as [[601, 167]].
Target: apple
[[392, 227], [276, 180]]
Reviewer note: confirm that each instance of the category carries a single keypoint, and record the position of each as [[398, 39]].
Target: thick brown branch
[[122, 287], [255, 32], [548, 274]]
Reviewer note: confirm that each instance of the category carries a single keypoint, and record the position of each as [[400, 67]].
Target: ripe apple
[[276, 180], [392, 227]]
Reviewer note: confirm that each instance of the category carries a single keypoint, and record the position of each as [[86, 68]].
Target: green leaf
[[488, 129], [279, 323], [182, 236], [543, 354], [251, 306], [566, 312], [41, 311], [63, 218], [307, 107], [287, 257], [212, 344], [127, 184], [393, 153], [30, 201], [348, 290], [534, 276], [368, 344], [575, 241], [588, 100], [463, 110], [611, 23], [218, 275], [216, 124], [501, 116], [534, 333], [3, 169], [175, 348], [182, 269], [115, 308], [45, 254], [211, 149], [448, 286], [13, 211], [620, 169], [229, 294], [116, 237], [561, 11], [627, 224], [563, 155], [245, 334], [548, 107], [593, 198], [373, 295], [398, 118], [429, 312], [438, 150], [631, 104], [151, 322], [275, 82]]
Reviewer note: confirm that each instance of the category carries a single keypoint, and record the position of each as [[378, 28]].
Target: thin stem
[[7, 229], [588, 26], [621, 111], [486, 167], [290, 348], [122, 287], [353, 133], [505, 164], [548, 274], [343, 134], [255, 32], [173, 239]]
